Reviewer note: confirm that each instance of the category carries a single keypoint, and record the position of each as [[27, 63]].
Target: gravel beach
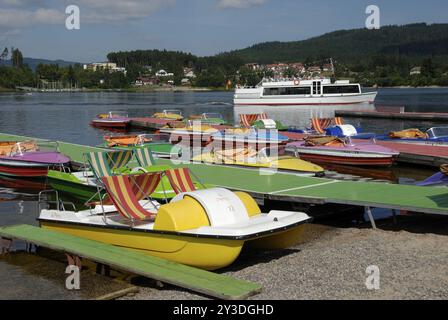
[[331, 264]]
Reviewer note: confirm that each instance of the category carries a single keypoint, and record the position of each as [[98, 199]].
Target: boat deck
[[209, 283]]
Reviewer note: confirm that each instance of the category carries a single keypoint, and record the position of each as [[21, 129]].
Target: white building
[[163, 73], [111, 66]]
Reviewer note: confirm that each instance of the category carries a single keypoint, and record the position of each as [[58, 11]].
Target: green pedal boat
[[85, 184]]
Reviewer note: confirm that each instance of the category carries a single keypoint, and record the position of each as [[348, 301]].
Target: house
[[111, 66], [189, 73], [163, 73], [314, 69], [415, 71], [185, 82], [146, 81], [252, 66], [299, 67], [327, 67]]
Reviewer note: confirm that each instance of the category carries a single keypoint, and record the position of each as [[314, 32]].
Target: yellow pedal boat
[[203, 228], [268, 158]]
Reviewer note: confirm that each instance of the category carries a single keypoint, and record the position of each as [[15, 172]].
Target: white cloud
[[15, 18], [98, 11], [239, 3]]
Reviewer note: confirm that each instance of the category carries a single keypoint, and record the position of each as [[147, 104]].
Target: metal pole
[[372, 221]]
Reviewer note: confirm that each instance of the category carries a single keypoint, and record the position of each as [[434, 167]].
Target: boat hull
[[204, 253], [386, 161], [110, 124]]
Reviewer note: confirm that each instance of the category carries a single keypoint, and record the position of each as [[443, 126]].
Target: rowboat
[[25, 159], [209, 118], [113, 119], [169, 115], [334, 150], [159, 144], [219, 222], [267, 158]]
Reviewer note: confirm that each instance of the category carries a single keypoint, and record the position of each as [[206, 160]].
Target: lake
[[66, 117]]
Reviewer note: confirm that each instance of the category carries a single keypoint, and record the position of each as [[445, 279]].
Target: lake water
[[66, 117]]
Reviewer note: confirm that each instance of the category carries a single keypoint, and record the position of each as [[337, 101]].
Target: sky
[[202, 27]]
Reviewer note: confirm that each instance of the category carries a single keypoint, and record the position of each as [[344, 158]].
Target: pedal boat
[[342, 151], [113, 119], [267, 158], [205, 229], [159, 144], [191, 134], [169, 115], [248, 137], [432, 136], [209, 118], [25, 159]]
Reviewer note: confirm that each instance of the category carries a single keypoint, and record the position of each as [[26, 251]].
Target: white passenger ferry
[[302, 92]]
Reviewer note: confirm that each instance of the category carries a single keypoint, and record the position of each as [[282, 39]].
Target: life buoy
[[296, 82]]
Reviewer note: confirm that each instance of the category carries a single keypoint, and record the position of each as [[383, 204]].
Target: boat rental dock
[[292, 188]]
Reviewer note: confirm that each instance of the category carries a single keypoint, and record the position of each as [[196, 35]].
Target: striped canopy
[[125, 192], [320, 124], [248, 119], [180, 180], [144, 157], [103, 163]]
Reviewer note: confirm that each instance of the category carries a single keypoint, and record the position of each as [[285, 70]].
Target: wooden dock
[[209, 283], [292, 188], [150, 123], [422, 116]]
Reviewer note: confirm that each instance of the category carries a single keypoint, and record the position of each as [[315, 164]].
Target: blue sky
[[203, 27]]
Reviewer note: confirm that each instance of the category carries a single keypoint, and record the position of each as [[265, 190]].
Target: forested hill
[[413, 41]]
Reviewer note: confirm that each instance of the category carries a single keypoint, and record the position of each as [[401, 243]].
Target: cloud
[[16, 18], [239, 3], [99, 11]]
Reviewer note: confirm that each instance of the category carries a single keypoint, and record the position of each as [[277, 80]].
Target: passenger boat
[[219, 222], [113, 119], [25, 159], [159, 144], [297, 92], [169, 115], [342, 151], [209, 118], [270, 158]]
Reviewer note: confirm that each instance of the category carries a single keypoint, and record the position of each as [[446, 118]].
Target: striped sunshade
[[125, 191], [102, 163], [320, 124], [180, 180], [248, 119], [144, 157]]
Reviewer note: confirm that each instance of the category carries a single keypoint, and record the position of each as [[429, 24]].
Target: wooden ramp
[[209, 283]]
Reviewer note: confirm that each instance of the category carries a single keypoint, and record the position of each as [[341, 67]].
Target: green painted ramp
[[209, 283]]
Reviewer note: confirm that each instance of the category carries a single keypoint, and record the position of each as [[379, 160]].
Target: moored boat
[[26, 159], [248, 137], [209, 118], [159, 144], [169, 115], [113, 119], [342, 151], [272, 158], [299, 92], [190, 135], [434, 135], [219, 222]]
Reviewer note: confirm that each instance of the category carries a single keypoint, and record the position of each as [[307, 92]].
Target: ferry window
[[341, 89], [287, 91]]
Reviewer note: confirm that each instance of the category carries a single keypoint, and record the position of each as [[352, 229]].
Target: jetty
[[76, 248], [391, 115], [287, 187]]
